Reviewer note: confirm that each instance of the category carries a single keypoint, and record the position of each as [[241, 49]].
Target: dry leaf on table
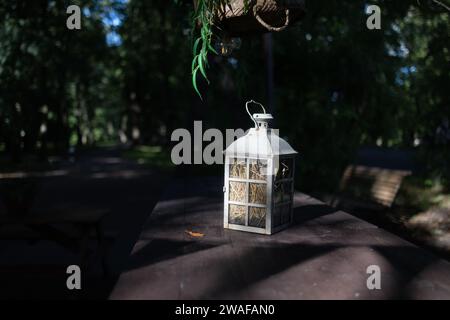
[[194, 234]]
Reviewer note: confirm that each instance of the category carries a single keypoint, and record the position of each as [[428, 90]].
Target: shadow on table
[[305, 213], [159, 250], [264, 260], [262, 263]]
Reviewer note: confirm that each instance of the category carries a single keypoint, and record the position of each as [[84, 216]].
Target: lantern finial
[[260, 119]]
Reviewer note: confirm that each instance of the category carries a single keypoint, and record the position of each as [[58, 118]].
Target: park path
[[96, 180]]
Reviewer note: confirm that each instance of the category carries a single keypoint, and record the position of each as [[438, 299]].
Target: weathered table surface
[[324, 255]]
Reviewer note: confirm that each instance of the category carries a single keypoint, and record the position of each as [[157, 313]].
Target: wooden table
[[324, 255]]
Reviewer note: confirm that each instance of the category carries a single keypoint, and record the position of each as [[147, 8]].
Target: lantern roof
[[260, 141]]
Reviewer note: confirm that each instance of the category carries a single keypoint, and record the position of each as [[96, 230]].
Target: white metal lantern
[[259, 179]]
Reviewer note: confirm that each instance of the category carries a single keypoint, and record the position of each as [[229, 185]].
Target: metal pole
[[268, 55]]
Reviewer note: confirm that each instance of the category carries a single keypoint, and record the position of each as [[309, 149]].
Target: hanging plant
[[206, 16], [215, 20]]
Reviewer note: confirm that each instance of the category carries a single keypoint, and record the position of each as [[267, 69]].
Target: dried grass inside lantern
[[258, 170], [257, 217], [237, 214], [238, 191], [238, 169], [257, 193]]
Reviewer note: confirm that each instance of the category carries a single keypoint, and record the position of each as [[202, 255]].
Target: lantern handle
[[246, 108]]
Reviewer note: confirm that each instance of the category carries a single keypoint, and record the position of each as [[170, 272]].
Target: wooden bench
[[368, 187]]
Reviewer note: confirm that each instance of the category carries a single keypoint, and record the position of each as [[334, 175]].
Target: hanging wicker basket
[[260, 16]]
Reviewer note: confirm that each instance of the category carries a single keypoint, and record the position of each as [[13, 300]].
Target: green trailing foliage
[[205, 17]]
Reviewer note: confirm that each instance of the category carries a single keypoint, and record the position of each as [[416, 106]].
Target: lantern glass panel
[[276, 216], [237, 214], [285, 213], [278, 192], [287, 191], [257, 193], [257, 217], [282, 191], [238, 168], [258, 169], [238, 191], [285, 169]]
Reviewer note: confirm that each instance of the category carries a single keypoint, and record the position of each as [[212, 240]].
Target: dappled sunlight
[[433, 225], [386, 184], [118, 174], [23, 174], [304, 271], [323, 255], [337, 273], [109, 160], [324, 249]]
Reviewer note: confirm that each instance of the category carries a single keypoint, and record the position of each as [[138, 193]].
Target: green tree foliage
[[338, 85], [50, 77]]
